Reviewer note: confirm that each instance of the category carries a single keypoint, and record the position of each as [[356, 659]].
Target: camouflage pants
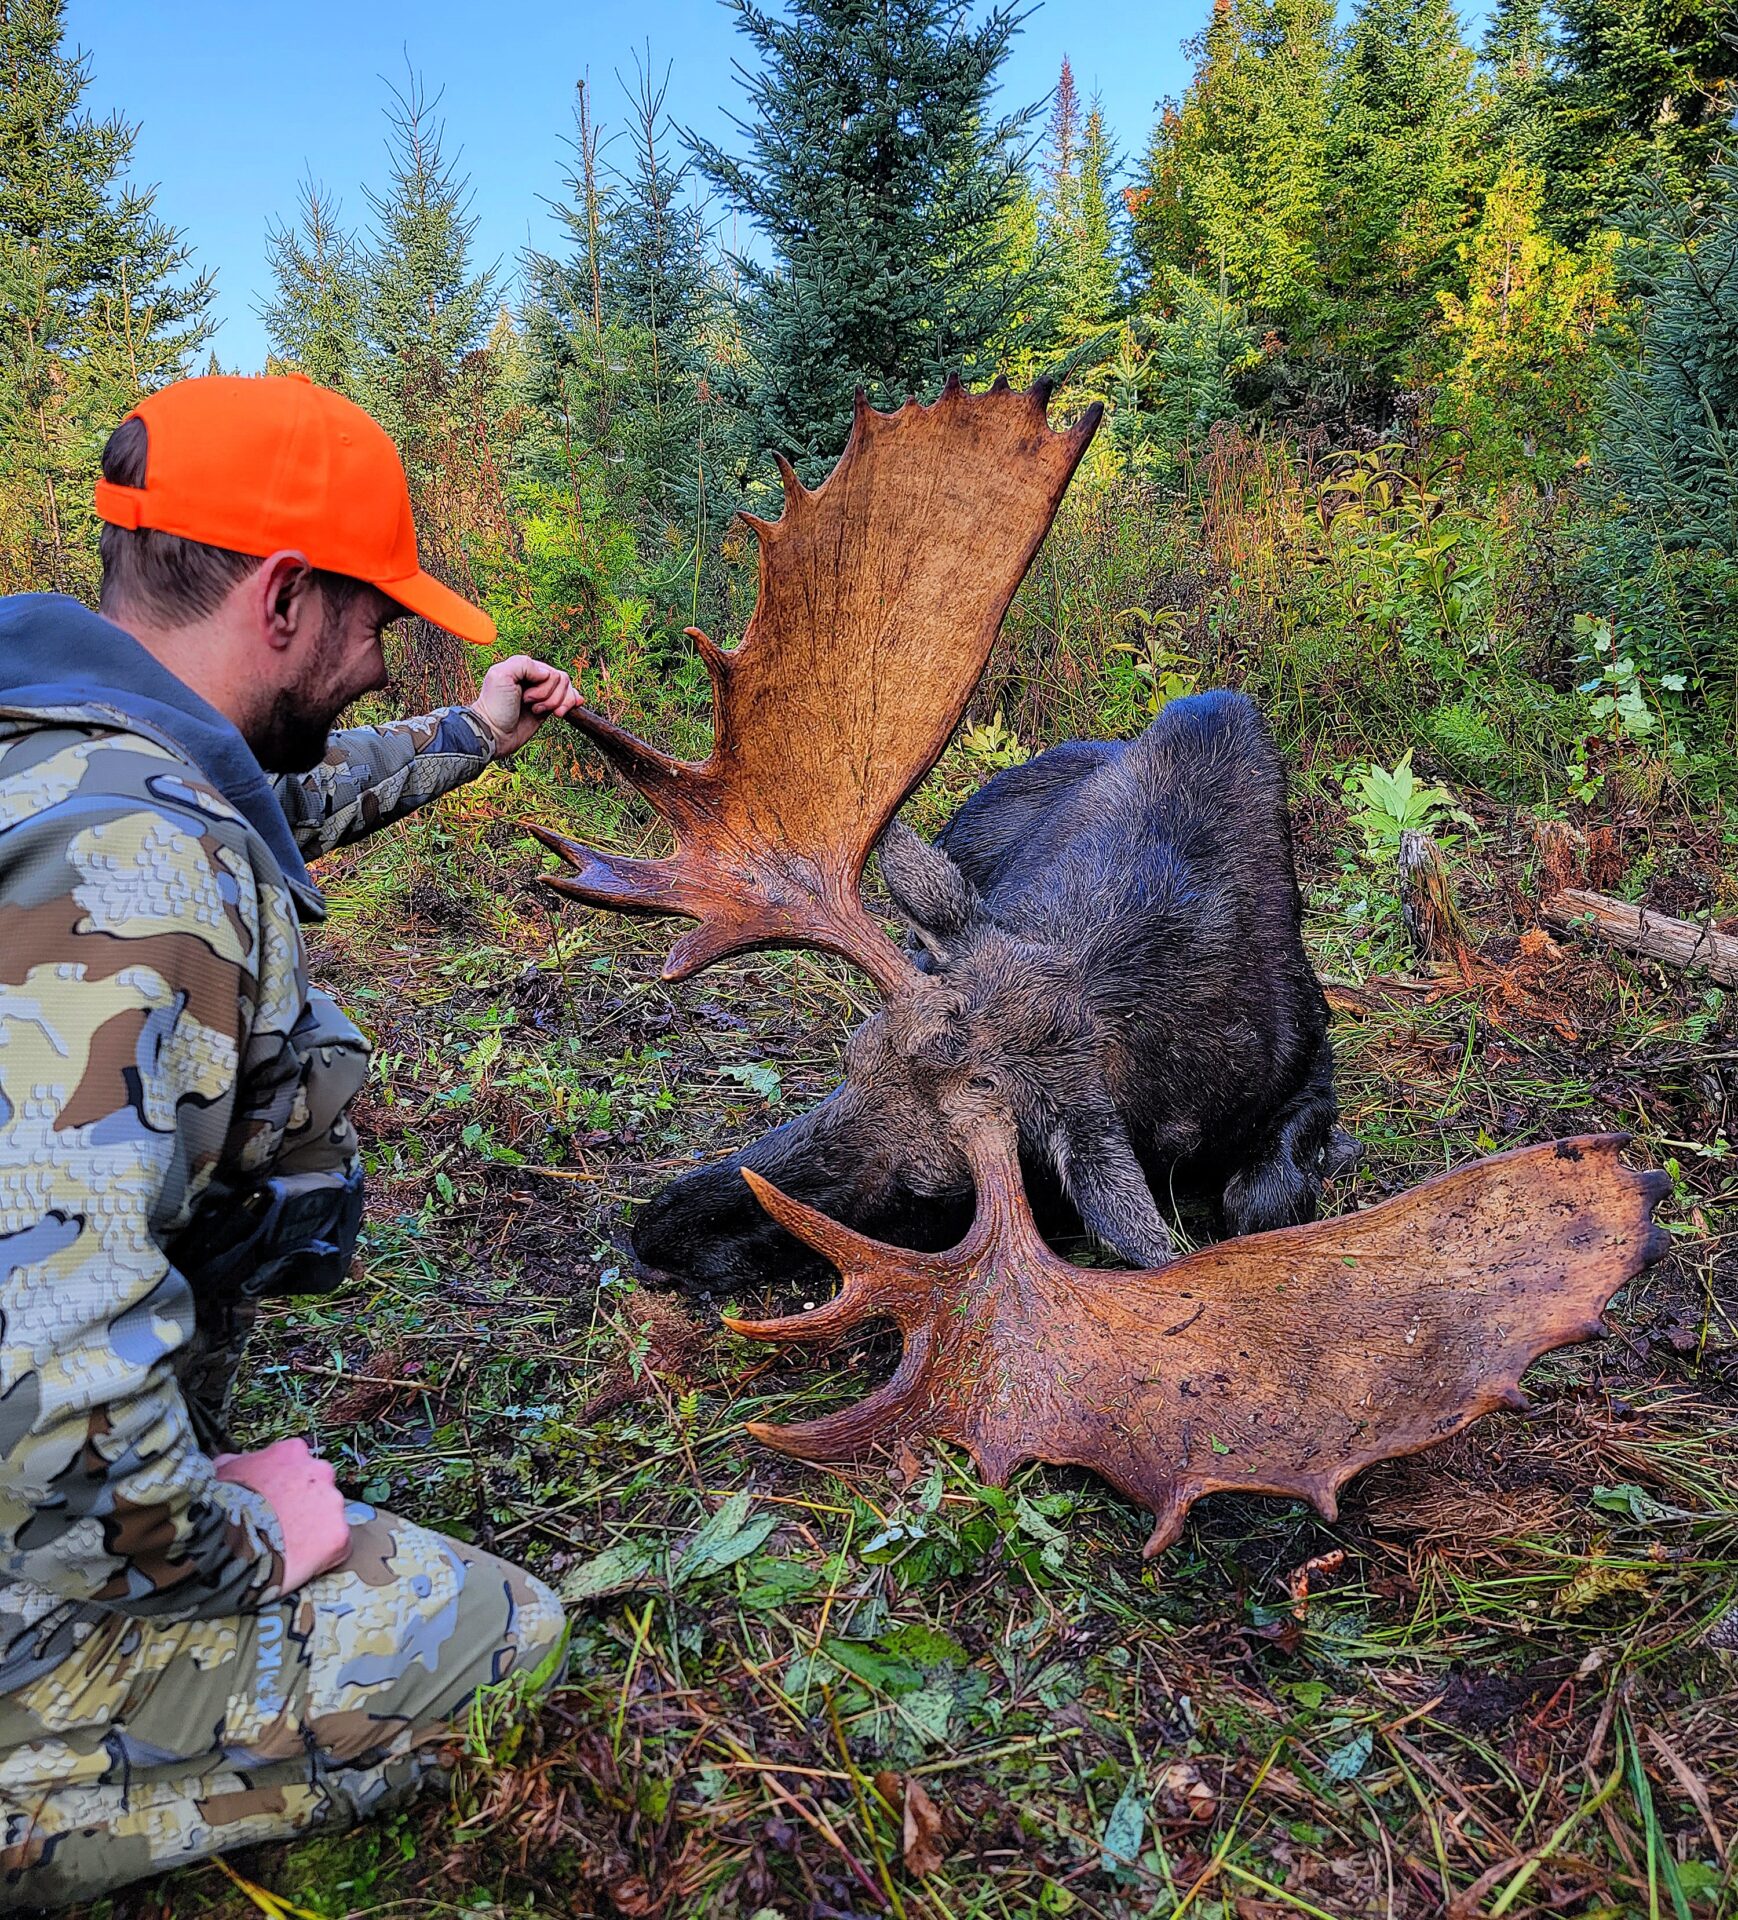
[[144, 1747]]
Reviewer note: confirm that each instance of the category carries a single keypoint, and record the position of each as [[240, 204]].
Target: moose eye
[[981, 1083]]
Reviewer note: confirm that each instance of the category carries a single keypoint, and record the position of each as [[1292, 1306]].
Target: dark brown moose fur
[[1117, 925]]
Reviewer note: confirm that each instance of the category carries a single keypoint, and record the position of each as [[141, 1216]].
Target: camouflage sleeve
[[130, 938], [372, 776]]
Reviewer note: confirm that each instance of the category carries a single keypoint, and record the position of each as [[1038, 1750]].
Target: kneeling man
[[201, 1649]]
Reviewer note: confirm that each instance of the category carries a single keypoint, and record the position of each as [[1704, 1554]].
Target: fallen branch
[[1686, 945]]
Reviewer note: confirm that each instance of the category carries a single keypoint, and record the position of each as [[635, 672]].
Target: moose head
[[991, 1013]]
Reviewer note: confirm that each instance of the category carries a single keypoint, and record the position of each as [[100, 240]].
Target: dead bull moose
[[1117, 930], [1273, 1362]]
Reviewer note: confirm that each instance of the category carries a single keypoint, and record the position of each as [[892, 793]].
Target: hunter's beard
[[290, 735]]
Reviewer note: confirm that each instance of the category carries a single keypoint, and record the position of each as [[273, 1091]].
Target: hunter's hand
[[518, 695], [301, 1489]]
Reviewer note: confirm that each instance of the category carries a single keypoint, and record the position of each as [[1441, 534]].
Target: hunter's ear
[[930, 894]]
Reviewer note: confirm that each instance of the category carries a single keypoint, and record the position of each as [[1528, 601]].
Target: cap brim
[[432, 601]]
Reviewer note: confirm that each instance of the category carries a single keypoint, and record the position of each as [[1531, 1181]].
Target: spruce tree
[[1518, 52], [1075, 220], [97, 306], [314, 316], [1099, 270], [881, 186], [1666, 470], [1640, 86], [1236, 181], [425, 373], [424, 308], [1060, 167], [569, 384], [659, 290], [1162, 232], [1404, 158]]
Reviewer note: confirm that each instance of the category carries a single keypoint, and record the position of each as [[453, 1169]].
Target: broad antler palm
[[1279, 1363], [881, 594]]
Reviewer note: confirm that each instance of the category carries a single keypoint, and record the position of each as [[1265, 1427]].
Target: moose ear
[[930, 894]]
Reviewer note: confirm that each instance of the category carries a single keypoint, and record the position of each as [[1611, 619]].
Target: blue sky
[[236, 102]]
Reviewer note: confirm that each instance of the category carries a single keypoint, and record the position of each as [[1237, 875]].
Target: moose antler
[[1279, 1363], [881, 593]]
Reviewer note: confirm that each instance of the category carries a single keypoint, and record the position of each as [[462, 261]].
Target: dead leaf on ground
[[1182, 1782], [925, 1846]]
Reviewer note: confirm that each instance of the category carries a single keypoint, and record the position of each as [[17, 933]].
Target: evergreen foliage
[[1185, 381], [1518, 52], [1403, 155], [1237, 178], [1325, 219], [425, 372], [424, 308], [1076, 223], [1666, 546], [97, 306], [314, 317], [566, 374], [883, 189], [660, 290], [1641, 85]]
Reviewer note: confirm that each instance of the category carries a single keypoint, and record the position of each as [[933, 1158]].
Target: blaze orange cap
[[256, 464]]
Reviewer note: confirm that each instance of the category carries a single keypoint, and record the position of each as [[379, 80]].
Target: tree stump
[[1434, 924], [1563, 851]]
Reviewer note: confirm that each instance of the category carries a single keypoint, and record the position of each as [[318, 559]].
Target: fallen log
[[1686, 945]]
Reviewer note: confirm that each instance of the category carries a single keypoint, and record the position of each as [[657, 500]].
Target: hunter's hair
[[176, 581]]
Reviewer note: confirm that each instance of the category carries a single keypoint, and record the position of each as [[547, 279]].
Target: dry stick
[[1686, 945]]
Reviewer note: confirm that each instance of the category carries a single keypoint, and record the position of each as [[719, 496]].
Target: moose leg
[[1280, 1185], [1101, 1175]]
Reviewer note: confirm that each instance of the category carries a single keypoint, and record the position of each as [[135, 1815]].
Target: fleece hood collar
[[54, 652]]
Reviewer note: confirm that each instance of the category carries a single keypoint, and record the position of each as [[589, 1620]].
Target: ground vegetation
[[1418, 363]]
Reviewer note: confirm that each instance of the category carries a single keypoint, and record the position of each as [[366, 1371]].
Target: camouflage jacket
[[160, 1047]]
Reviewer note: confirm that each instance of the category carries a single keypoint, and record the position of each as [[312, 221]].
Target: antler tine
[[645, 767], [793, 487], [879, 1279], [872, 1422]]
